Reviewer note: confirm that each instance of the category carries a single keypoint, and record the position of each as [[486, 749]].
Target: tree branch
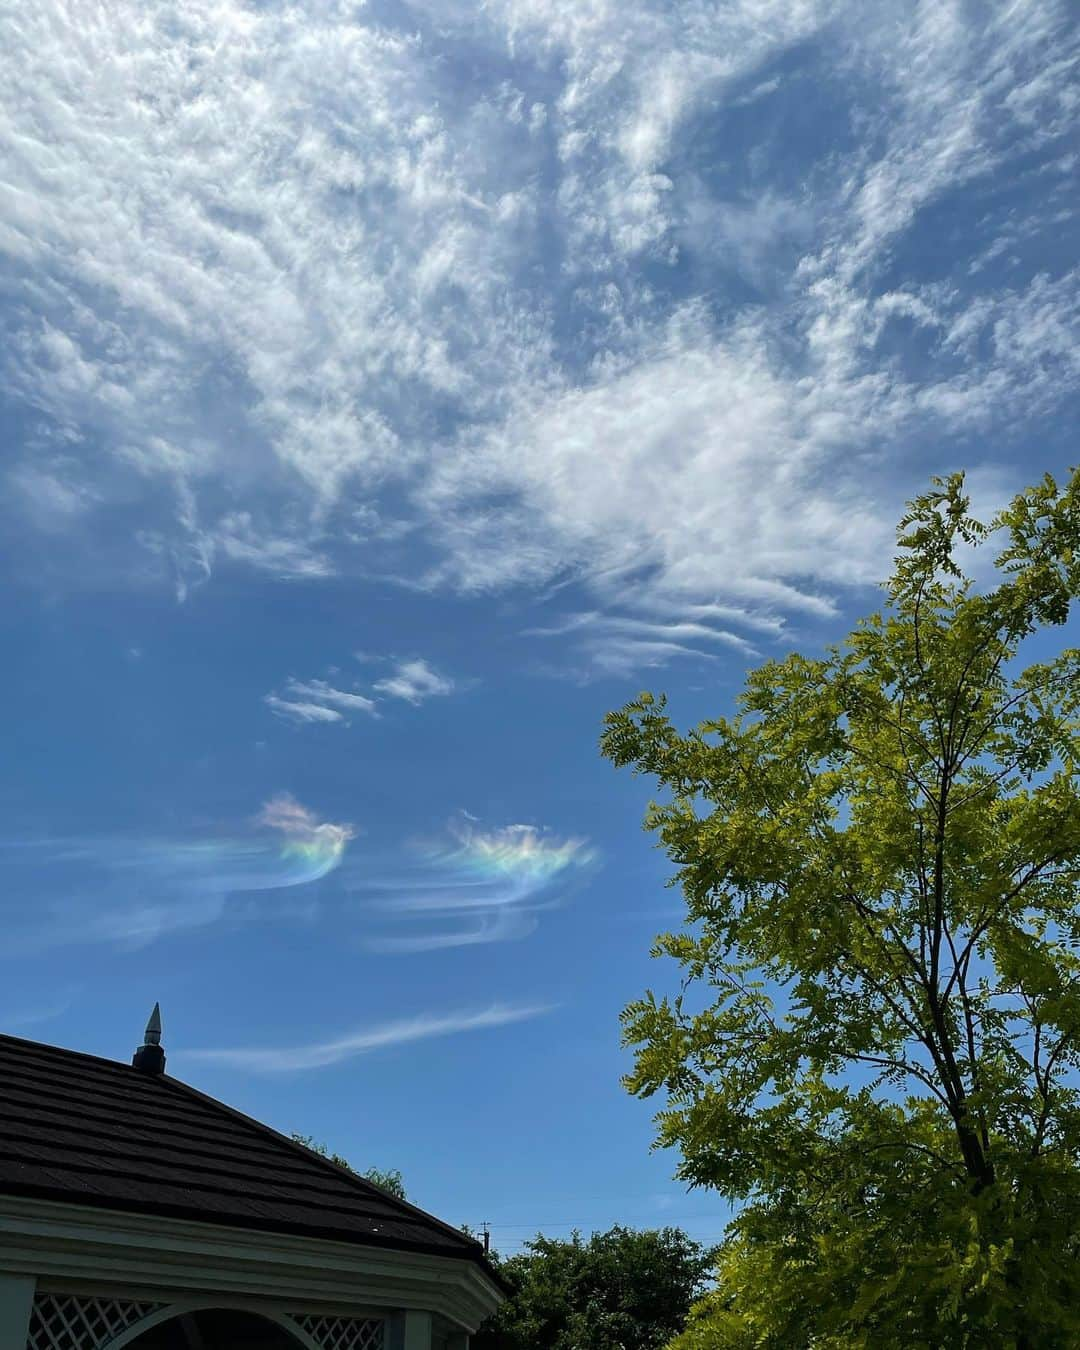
[[999, 906], [916, 1071]]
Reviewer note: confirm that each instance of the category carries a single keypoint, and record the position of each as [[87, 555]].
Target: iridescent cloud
[[519, 852], [133, 891], [480, 886], [312, 847]]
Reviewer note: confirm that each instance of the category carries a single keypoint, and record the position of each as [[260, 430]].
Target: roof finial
[[150, 1057]]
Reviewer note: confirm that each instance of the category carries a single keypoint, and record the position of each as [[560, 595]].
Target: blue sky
[[389, 390]]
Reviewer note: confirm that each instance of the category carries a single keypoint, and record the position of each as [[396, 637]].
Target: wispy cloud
[[469, 929], [306, 701], [414, 681], [322, 1053], [616, 644], [586, 311], [293, 711], [318, 701], [473, 887], [33, 1015], [131, 892]]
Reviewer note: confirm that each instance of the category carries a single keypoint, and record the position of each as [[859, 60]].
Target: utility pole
[[486, 1230]]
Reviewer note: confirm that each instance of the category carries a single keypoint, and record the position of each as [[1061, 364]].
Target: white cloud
[[733, 489], [615, 655], [317, 701], [299, 299], [326, 693], [301, 712], [323, 1053], [320, 840], [239, 539], [500, 925], [954, 114], [616, 644], [414, 681], [53, 496]]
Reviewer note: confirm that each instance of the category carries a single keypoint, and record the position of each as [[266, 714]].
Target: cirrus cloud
[[320, 1054], [285, 292]]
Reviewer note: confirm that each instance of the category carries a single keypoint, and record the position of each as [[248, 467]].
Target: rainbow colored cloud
[[310, 847], [520, 853], [479, 886], [131, 892]]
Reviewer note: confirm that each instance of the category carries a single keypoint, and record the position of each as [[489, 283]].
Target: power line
[[660, 1220], [709, 1235], [514, 1239]]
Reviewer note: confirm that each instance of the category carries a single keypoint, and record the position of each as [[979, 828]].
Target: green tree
[[389, 1181], [620, 1290], [890, 834]]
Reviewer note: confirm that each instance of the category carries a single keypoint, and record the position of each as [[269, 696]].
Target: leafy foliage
[[389, 1181], [620, 1290], [891, 834]]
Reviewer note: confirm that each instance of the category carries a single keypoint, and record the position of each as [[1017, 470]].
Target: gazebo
[[138, 1212]]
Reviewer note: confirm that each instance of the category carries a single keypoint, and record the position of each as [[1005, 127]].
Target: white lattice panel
[[68, 1322], [341, 1333]]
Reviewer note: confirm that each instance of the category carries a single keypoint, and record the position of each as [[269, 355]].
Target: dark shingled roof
[[84, 1130]]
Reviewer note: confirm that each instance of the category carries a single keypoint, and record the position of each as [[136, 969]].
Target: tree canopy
[[624, 1289], [890, 835], [389, 1180]]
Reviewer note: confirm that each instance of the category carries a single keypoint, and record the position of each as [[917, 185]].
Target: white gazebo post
[[410, 1330], [16, 1305]]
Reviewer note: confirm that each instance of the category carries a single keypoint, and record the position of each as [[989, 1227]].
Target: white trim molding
[[99, 1253]]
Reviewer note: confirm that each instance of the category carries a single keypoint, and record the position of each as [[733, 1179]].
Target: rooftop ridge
[[160, 1139], [309, 1154], [65, 1053], [157, 1090], [250, 1180]]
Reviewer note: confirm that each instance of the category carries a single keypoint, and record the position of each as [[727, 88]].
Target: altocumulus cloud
[[131, 892], [414, 681], [322, 1053], [338, 308], [307, 701], [317, 701]]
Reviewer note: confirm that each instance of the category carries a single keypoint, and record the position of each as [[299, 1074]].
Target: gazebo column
[[410, 1330], [16, 1305]]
